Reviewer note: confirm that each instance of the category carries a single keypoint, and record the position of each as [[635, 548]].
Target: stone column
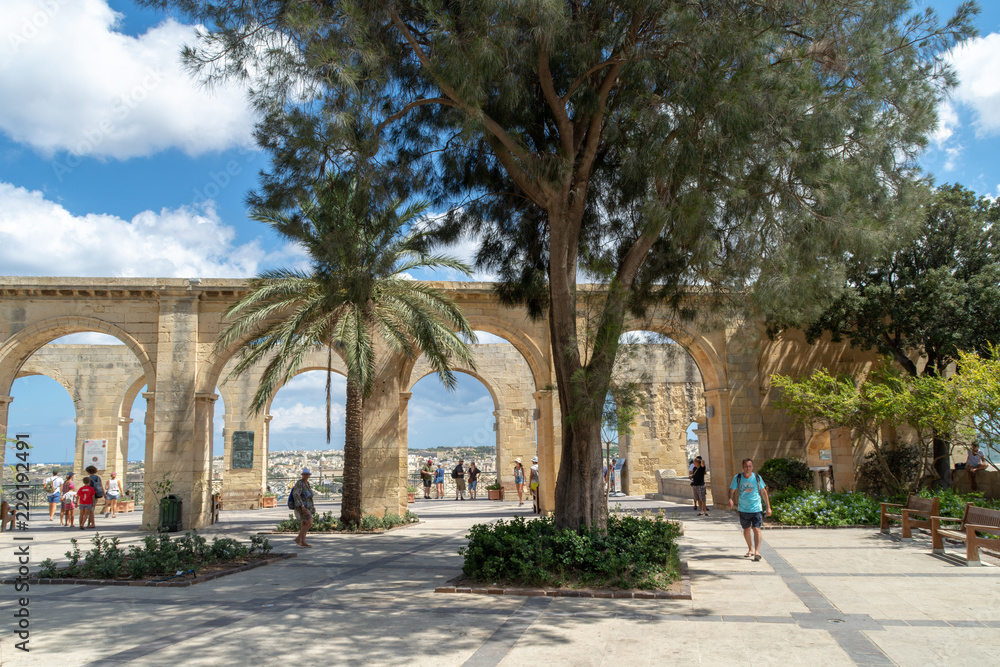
[[201, 459], [177, 453], [546, 451], [404, 446], [842, 453], [122, 451], [720, 445], [702, 434], [149, 503], [4, 411], [381, 458]]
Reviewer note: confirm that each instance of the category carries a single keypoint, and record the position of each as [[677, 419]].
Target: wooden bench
[[7, 517], [975, 519], [915, 507]]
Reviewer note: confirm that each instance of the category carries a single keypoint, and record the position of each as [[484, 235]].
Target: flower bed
[[851, 508], [328, 523], [636, 553], [157, 560]]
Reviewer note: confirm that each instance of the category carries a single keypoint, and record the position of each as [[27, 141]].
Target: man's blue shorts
[[751, 520], [53, 497]]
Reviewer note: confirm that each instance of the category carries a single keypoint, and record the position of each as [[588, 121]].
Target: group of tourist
[[465, 479], [532, 484], [62, 493]]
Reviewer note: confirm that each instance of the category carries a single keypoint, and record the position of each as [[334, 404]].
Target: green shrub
[[815, 508], [328, 523], [156, 555], [853, 508], [636, 552], [903, 462], [781, 474]]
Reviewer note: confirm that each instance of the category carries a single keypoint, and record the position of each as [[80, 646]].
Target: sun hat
[[534, 459], [517, 460], [306, 471]]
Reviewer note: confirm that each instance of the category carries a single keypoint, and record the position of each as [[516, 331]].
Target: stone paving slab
[[844, 597]]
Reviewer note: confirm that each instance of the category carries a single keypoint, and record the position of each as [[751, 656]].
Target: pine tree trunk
[[579, 500], [350, 504]]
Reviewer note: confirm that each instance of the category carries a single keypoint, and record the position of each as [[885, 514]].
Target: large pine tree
[[650, 143]]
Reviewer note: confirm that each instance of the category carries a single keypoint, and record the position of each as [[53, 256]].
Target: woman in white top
[[112, 493]]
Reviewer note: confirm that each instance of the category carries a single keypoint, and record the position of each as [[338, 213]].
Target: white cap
[[534, 459], [306, 471]]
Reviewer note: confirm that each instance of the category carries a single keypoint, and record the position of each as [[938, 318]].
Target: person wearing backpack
[[751, 488], [53, 489], [95, 482], [302, 498], [458, 474]]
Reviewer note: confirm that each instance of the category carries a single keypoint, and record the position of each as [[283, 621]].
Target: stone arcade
[[169, 327]]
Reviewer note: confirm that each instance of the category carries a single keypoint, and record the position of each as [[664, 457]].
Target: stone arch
[[19, 347], [708, 355]]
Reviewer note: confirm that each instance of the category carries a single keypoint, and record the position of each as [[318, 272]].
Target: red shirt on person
[[85, 496]]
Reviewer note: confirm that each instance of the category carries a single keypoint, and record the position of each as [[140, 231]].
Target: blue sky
[[125, 166]]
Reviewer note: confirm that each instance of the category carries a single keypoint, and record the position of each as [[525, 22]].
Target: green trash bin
[[170, 514]]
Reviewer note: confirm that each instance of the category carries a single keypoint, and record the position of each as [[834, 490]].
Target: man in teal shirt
[[750, 487]]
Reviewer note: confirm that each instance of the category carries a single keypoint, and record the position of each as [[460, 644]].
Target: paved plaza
[[819, 597]]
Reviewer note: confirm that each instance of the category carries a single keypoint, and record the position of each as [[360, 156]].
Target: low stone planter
[[268, 502], [495, 494]]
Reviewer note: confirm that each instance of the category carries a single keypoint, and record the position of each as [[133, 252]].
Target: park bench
[[974, 519], [7, 516], [909, 514]]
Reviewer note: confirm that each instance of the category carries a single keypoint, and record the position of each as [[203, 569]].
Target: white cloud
[[73, 83], [305, 417], [947, 123], [977, 62], [40, 237]]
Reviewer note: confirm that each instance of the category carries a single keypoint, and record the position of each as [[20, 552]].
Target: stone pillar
[[122, 449], [547, 455], [200, 513], [381, 457], [842, 453], [720, 445], [702, 434], [149, 503], [404, 445], [4, 411], [177, 454]]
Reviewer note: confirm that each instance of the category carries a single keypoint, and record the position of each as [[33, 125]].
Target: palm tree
[[356, 296]]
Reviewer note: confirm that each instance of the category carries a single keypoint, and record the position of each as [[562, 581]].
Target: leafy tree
[[977, 389], [652, 144], [934, 295], [885, 399], [356, 299]]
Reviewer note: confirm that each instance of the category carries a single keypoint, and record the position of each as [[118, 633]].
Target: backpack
[[291, 500], [48, 487], [95, 481], [454, 473], [760, 482]]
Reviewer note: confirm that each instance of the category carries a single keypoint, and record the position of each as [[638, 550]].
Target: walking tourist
[[302, 496], [427, 477], [53, 490], [458, 474], [85, 499], [96, 484], [114, 491], [751, 488], [519, 480], [68, 513], [973, 464], [439, 482], [473, 480], [698, 486], [536, 503]]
